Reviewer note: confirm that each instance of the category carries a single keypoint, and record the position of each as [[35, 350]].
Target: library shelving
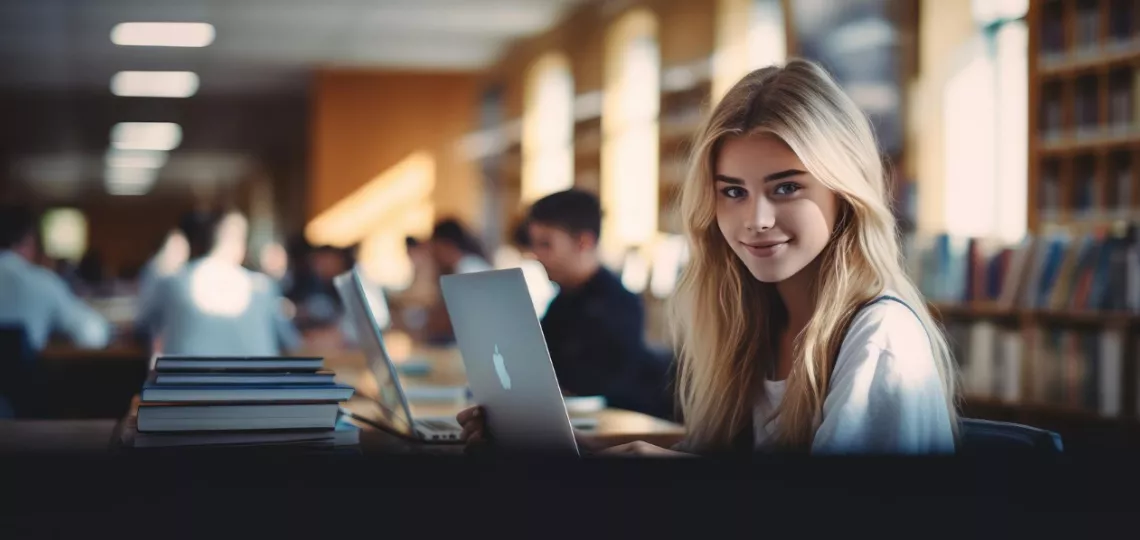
[[1046, 332]]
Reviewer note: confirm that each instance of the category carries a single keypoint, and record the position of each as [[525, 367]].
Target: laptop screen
[[386, 405]]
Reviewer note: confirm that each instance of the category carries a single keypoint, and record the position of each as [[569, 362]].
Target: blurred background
[[339, 128]]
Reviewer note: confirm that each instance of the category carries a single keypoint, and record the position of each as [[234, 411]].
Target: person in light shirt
[[213, 306], [799, 329], [36, 299], [455, 250]]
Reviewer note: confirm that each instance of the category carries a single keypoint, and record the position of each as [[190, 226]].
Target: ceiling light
[[134, 159], [129, 181], [146, 136], [163, 34], [128, 190], [168, 84], [130, 177]]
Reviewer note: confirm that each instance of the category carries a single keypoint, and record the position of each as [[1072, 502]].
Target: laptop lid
[[392, 408], [508, 366]]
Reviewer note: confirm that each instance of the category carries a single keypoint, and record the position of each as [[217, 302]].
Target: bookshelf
[[1046, 331], [686, 91], [1084, 98]]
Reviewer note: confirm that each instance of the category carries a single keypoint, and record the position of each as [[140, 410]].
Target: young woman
[[797, 326]]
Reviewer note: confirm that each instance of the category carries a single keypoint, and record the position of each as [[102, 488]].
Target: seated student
[[799, 328], [214, 306], [34, 297], [594, 327], [166, 261], [455, 250]]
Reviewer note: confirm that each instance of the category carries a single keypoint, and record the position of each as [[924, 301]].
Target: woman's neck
[[798, 295]]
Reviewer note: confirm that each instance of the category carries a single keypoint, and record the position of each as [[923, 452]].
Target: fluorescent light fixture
[[127, 191], [129, 181], [130, 177], [162, 136], [167, 84], [163, 34], [134, 159]]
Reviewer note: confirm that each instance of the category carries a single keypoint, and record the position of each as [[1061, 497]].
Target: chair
[[989, 437], [16, 365]]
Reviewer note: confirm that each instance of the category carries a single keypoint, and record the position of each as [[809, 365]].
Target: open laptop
[[390, 409], [508, 365]]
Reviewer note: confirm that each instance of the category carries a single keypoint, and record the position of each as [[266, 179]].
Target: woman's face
[[774, 214]]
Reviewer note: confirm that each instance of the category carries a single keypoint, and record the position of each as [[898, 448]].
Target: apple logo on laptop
[[501, 369]]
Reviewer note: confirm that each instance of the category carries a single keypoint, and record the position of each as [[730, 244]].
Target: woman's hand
[[642, 449], [471, 420]]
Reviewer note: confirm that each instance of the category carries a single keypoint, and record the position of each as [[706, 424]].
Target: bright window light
[[161, 136], [548, 129], [164, 84], [134, 159], [163, 34]]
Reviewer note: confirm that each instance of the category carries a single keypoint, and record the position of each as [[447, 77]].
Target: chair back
[[988, 437]]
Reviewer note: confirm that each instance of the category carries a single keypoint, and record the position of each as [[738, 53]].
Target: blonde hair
[[725, 321]]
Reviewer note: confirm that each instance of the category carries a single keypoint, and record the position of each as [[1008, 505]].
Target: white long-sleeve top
[[885, 396]]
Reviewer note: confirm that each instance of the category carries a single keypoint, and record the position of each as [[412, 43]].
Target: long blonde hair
[[725, 321]]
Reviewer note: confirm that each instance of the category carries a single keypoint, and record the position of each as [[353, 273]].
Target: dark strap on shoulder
[[896, 299]]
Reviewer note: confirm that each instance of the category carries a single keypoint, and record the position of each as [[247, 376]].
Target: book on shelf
[[1078, 369], [1120, 21], [1087, 30], [1063, 368], [989, 359], [1097, 269], [1136, 96], [1087, 114]]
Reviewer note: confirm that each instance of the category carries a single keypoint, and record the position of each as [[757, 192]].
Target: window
[[985, 108], [630, 134], [750, 35], [64, 233], [548, 128]]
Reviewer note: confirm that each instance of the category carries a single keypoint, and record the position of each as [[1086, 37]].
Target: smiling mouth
[[765, 245], [766, 249]]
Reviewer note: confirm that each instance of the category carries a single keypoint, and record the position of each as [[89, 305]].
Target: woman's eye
[[732, 192], [787, 188]]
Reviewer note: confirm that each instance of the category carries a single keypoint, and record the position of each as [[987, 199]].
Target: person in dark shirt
[[594, 327]]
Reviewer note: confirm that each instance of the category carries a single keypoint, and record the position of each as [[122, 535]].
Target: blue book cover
[[1052, 265]]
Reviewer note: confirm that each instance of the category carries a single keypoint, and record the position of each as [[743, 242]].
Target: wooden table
[[614, 426]]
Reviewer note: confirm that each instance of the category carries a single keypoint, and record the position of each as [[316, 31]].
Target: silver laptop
[[389, 409], [508, 365]]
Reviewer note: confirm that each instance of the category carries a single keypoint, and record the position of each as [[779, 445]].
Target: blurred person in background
[[169, 258], [415, 301], [92, 274], [456, 250], [35, 298], [273, 260], [214, 306], [594, 327], [313, 292]]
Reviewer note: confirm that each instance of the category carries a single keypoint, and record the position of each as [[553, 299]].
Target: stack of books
[[212, 401]]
